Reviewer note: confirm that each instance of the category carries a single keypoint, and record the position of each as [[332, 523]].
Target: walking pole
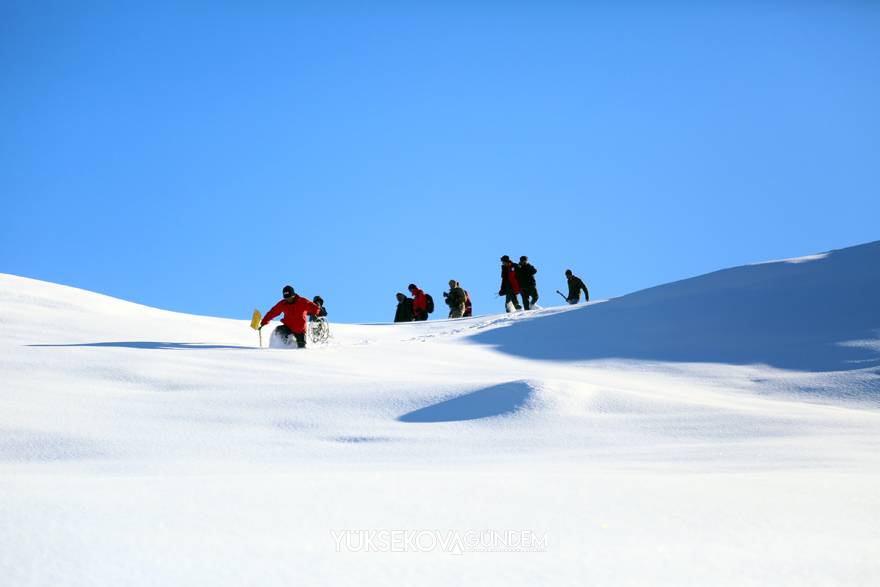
[[563, 297]]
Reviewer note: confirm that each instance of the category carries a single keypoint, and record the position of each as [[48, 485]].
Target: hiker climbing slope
[[525, 275], [421, 305], [575, 286], [509, 284], [404, 309], [455, 299]]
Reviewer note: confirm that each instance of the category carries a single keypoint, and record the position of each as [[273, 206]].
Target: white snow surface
[[718, 430]]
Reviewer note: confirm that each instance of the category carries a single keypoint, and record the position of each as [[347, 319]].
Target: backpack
[[430, 302], [468, 308]]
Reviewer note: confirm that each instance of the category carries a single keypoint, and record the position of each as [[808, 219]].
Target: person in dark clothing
[[455, 299], [404, 309], [575, 285], [525, 274], [319, 301], [295, 310], [509, 284]]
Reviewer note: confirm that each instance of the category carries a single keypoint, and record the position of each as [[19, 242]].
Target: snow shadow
[[801, 315], [360, 439], [33, 446], [497, 400], [143, 344]]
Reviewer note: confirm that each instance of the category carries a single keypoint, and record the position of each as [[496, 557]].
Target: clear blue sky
[[199, 156]]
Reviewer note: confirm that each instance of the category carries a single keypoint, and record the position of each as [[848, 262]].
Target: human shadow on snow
[[497, 400], [801, 315], [142, 344]]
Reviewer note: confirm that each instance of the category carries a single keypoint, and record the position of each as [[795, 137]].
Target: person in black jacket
[[404, 309], [319, 301], [575, 285], [528, 287]]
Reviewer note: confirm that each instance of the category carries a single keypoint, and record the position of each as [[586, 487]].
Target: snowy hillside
[[723, 429], [817, 314]]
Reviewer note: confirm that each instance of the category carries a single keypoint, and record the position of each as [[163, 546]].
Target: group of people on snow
[[415, 308], [518, 279], [517, 282], [421, 304]]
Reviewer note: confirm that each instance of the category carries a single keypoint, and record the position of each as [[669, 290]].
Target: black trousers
[[286, 332], [511, 299], [529, 296]]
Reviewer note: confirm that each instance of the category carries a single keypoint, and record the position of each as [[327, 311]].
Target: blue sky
[[199, 156]]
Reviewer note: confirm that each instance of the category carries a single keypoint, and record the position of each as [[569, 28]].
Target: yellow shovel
[[255, 324]]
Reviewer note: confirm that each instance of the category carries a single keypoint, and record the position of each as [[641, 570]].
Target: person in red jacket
[[509, 284], [420, 303], [295, 309]]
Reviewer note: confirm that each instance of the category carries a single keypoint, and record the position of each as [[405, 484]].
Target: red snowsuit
[[509, 283], [420, 303], [294, 313]]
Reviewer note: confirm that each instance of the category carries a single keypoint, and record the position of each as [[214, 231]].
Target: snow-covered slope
[[722, 429], [816, 314]]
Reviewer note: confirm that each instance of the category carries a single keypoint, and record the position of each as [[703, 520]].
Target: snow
[[804, 259], [723, 429]]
